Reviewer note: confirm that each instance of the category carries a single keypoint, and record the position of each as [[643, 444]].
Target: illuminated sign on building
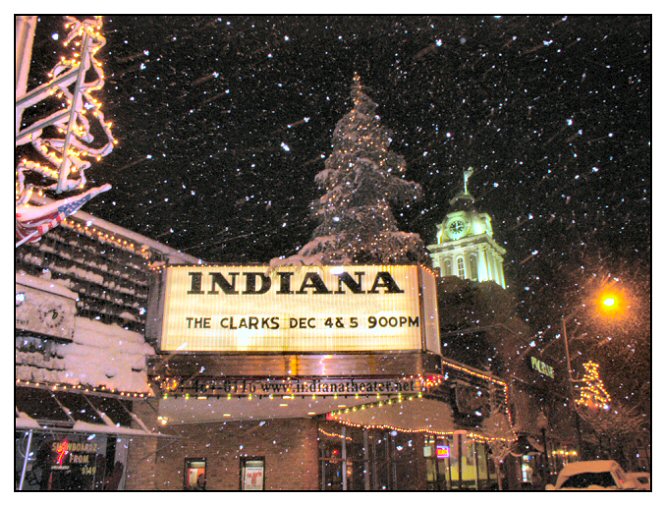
[[542, 367], [61, 449], [299, 309], [443, 452], [67, 453]]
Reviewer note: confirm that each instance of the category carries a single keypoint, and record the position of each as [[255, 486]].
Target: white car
[[593, 475], [642, 480]]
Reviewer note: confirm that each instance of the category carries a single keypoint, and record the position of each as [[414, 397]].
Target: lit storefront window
[[66, 461], [252, 473], [526, 468], [195, 474], [437, 452], [357, 459]]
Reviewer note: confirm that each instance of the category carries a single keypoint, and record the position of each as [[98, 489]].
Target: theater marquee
[[322, 309]]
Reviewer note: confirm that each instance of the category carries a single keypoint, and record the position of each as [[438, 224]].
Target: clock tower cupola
[[465, 246]]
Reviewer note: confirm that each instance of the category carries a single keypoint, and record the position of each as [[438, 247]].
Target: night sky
[[223, 122]]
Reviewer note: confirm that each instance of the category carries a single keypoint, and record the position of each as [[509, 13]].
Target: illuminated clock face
[[457, 229]]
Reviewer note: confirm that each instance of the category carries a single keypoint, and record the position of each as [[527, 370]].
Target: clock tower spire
[[465, 246], [466, 175]]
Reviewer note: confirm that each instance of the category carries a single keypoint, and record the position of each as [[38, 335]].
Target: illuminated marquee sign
[[299, 309]]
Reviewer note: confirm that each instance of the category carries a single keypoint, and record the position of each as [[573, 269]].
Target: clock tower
[[465, 246]]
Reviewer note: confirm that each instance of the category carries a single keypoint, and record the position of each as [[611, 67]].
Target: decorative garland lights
[[173, 388], [334, 435], [107, 237], [337, 417], [55, 387], [470, 435], [564, 453], [486, 377], [67, 155], [194, 388], [593, 394]]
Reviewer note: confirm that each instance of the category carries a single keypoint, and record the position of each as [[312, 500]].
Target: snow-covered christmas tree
[[362, 179]]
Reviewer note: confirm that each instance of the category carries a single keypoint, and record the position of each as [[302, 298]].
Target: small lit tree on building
[[593, 394], [362, 180]]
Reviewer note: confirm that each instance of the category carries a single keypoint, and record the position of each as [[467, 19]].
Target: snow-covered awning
[[417, 415], [25, 422], [41, 410], [119, 430]]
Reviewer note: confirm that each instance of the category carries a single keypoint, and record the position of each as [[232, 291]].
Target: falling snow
[[552, 111]]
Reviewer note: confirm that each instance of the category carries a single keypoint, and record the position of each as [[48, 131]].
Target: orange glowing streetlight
[[611, 303]]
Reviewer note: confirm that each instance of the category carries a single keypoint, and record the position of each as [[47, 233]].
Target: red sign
[[252, 474], [61, 451], [443, 452]]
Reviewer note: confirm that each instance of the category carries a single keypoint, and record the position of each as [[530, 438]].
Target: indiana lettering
[[257, 283]]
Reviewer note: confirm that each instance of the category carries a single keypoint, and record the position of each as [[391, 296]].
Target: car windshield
[[584, 480]]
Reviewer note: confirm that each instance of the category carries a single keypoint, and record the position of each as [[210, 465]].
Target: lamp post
[[572, 402], [610, 307]]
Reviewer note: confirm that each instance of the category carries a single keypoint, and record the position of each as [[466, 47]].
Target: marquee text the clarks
[[256, 283]]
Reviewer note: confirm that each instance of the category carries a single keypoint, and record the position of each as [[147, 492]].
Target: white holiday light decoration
[[68, 155]]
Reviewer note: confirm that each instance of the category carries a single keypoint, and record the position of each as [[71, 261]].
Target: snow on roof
[[99, 428], [45, 285], [24, 421], [105, 355], [174, 255]]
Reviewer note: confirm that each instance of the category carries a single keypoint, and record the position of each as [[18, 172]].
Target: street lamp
[[609, 305]]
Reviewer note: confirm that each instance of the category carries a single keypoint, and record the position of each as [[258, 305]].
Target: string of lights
[[564, 453], [64, 387], [172, 387], [333, 435], [70, 153], [593, 393], [470, 435], [108, 237], [487, 377]]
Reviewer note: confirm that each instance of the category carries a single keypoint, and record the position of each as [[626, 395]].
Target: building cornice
[[466, 241]]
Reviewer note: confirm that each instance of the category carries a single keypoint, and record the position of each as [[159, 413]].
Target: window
[[526, 468], [252, 473], [195, 474], [447, 267], [437, 452], [64, 461], [473, 266], [461, 267]]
